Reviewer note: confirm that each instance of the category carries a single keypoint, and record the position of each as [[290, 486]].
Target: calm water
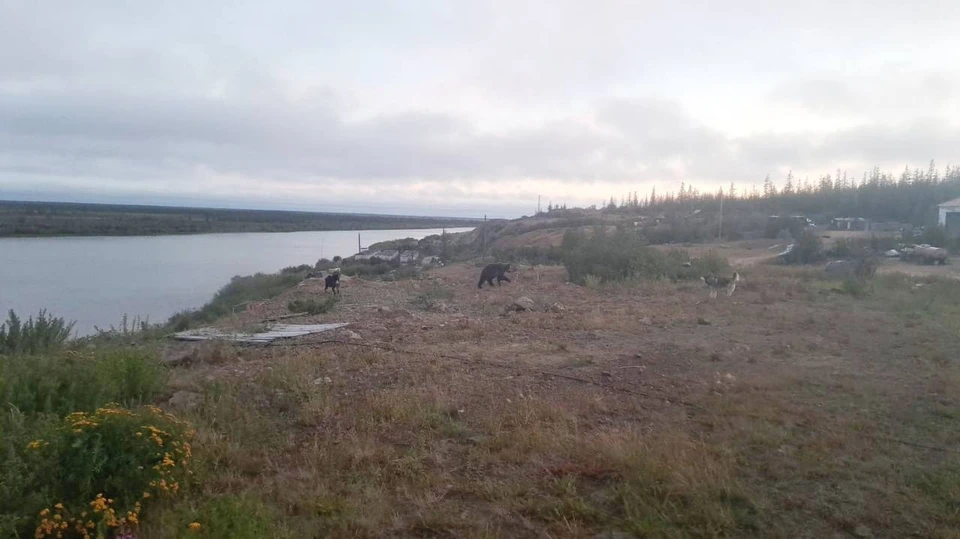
[[96, 280]]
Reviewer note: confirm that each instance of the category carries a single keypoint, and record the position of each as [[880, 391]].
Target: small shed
[[949, 216]]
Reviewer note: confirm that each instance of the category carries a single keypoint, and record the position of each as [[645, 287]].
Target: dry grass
[[780, 417]]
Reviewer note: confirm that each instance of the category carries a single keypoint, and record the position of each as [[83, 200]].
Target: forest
[[76, 219]]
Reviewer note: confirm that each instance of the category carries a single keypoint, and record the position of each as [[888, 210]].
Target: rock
[[352, 335], [639, 355], [523, 303], [477, 439], [862, 531], [186, 400], [703, 321], [322, 380], [557, 308], [646, 321]]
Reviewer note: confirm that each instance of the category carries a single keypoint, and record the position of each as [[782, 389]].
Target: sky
[[463, 108]]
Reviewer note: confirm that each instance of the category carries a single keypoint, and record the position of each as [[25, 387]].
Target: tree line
[[909, 197]]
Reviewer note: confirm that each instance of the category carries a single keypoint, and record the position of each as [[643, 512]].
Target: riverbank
[[96, 280], [55, 219]]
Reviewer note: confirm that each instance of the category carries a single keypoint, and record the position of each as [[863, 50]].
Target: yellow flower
[[59, 506], [194, 526]]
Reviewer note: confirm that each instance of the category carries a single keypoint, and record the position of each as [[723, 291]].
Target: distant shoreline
[[67, 219]]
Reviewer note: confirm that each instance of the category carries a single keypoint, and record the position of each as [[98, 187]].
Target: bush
[[92, 473], [34, 336], [241, 291], [624, 256], [808, 249], [312, 306]]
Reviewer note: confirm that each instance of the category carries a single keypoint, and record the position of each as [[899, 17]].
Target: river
[[96, 280]]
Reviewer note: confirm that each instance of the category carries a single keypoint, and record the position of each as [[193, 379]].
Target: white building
[[950, 214]]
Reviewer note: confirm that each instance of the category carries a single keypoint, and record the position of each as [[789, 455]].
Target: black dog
[[332, 281], [494, 271]]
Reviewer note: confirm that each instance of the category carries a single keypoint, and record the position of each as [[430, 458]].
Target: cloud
[[475, 107]]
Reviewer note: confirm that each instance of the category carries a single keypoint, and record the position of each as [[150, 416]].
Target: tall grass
[[35, 335], [61, 383]]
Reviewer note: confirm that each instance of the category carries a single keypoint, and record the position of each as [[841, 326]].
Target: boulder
[[523, 303]]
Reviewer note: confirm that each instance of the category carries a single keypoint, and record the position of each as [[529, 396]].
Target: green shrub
[[35, 335], [97, 470], [70, 381], [312, 306]]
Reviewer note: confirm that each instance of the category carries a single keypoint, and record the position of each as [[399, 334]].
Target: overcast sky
[[463, 108]]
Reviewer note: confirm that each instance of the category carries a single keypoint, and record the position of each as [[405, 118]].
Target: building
[[949, 216], [849, 223], [409, 257]]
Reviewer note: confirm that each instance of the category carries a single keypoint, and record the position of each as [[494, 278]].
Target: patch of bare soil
[[785, 410]]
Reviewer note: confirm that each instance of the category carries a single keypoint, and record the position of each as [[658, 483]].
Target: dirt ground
[[786, 410]]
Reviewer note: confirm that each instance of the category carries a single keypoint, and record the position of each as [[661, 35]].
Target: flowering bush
[[105, 466]]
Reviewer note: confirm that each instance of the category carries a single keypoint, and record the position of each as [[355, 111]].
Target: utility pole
[[720, 228]]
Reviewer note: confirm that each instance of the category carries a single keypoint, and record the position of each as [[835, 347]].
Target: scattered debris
[[273, 333], [557, 308]]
